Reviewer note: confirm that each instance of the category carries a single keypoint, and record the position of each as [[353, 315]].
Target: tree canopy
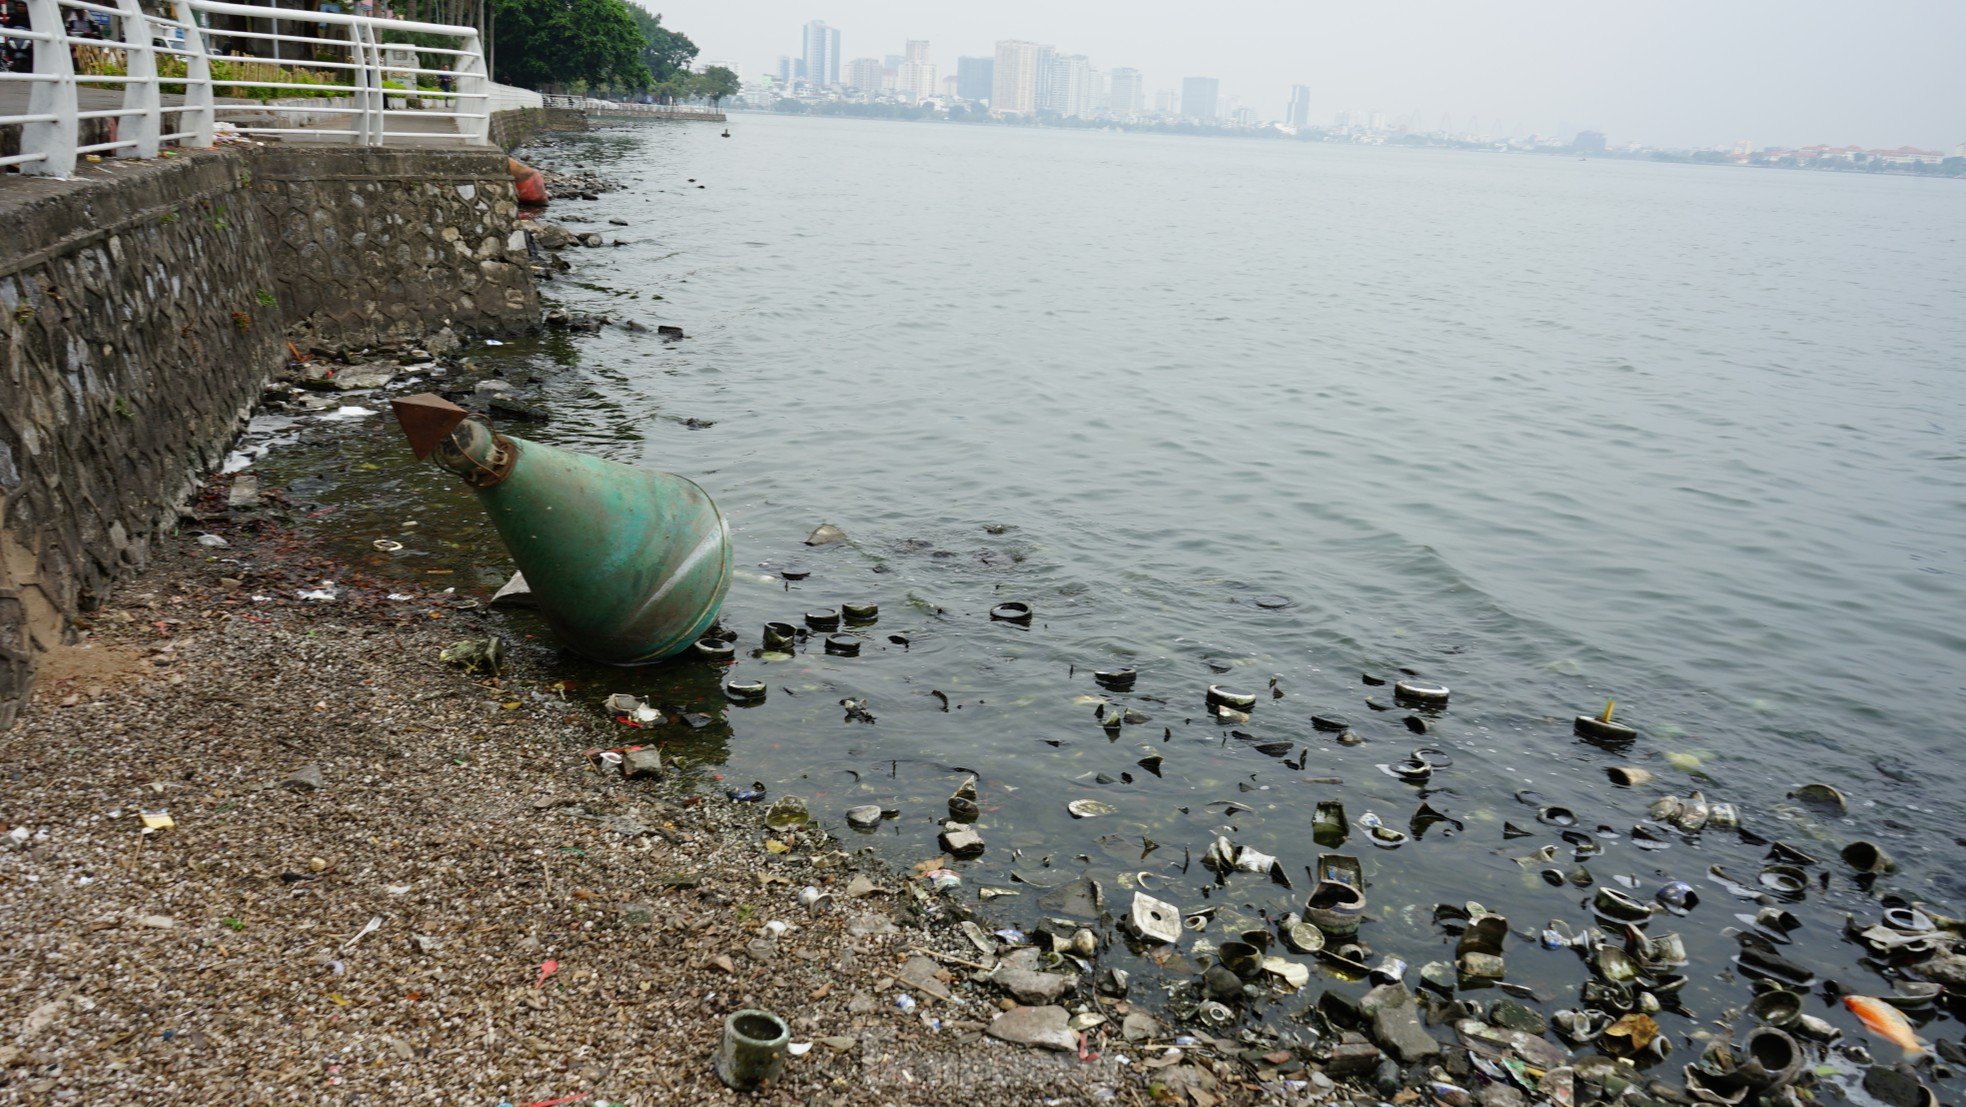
[[574, 44]]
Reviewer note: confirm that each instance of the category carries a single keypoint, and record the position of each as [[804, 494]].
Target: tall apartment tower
[[1299, 115], [1014, 78], [822, 53], [973, 77], [917, 75], [1198, 98], [1129, 95]]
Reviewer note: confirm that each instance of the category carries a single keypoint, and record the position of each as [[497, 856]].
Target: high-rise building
[[864, 74], [784, 69], [822, 53], [973, 77], [1198, 98], [917, 73], [1065, 85], [1129, 92], [1299, 115], [1014, 78]]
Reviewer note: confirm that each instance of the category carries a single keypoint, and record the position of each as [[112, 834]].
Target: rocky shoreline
[[264, 842]]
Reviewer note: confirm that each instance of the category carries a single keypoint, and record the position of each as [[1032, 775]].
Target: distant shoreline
[[1953, 168]]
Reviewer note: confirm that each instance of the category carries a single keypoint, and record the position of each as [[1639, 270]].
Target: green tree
[[716, 82], [666, 53], [559, 43]]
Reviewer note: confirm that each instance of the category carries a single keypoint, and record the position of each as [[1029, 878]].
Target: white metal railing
[[177, 66]]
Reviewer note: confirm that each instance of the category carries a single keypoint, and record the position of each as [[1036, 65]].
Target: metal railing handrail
[[50, 129]]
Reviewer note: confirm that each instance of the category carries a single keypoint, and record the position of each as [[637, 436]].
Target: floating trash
[[1630, 776], [861, 612], [713, 649], [1090, 808], [1379, 833], [752, 794], [1115, 680], [1777, 1007], [1822, 796], [1421, 692], [1868, 857], [1556, 816], [1616, 906], [753, 1049], [1331, 723], [824, 618], [842, 645], [786, 813], [1678, 897], [1219, 696], [780, 636], [632, 710], [1688, 813], [1601, 730], [1328, 825], [1015, 611], [1153, 920], [744, 691]]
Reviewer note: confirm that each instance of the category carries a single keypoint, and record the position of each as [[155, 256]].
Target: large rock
[[1026, 986], [923, 975], [1396, 1024], [644, 762], [552, 236], [1045, 1027]]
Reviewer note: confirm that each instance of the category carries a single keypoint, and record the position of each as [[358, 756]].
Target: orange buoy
[[530, 183]]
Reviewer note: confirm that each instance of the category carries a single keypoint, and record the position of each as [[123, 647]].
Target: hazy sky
[[1662, 72]]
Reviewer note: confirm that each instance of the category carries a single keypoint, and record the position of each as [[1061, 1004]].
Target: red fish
[[1885, 1020]]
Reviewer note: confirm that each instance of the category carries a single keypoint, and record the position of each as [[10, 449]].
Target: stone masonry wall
[[515, 126], [136, 327], [143, 307], [375, 246]]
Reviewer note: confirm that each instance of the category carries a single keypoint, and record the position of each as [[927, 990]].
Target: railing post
[[53, 93], [198, 115], [472, 76], [140, 92], [369, 102]]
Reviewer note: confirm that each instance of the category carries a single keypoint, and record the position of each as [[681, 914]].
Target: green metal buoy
[[629, 566]]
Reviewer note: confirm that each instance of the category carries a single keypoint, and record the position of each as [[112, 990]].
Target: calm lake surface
[[1549, 432]]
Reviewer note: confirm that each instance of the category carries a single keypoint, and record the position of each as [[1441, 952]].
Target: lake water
[[1547, 431]]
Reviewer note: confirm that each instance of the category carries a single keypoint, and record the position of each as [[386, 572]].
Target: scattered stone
[[1027, 986], [158, 922], [923, 975], [860, 887], [244, 494], [1138, 1026], [305, 779], [493, 387], [592, 239], [1396, 1024], [1516, 1016], [551, 236], [642, 763], [1352, 1056], [962, 843], [1498, 1094], [355, 378], [864, 816], [1045, 1027]]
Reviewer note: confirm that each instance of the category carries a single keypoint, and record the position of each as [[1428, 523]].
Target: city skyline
[[1674, 74]]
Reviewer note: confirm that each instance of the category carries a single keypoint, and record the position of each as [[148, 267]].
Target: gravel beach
[[385, 880]]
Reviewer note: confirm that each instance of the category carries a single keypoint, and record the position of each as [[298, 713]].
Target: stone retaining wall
[[374, 246], [143, 307], [516, 126]]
